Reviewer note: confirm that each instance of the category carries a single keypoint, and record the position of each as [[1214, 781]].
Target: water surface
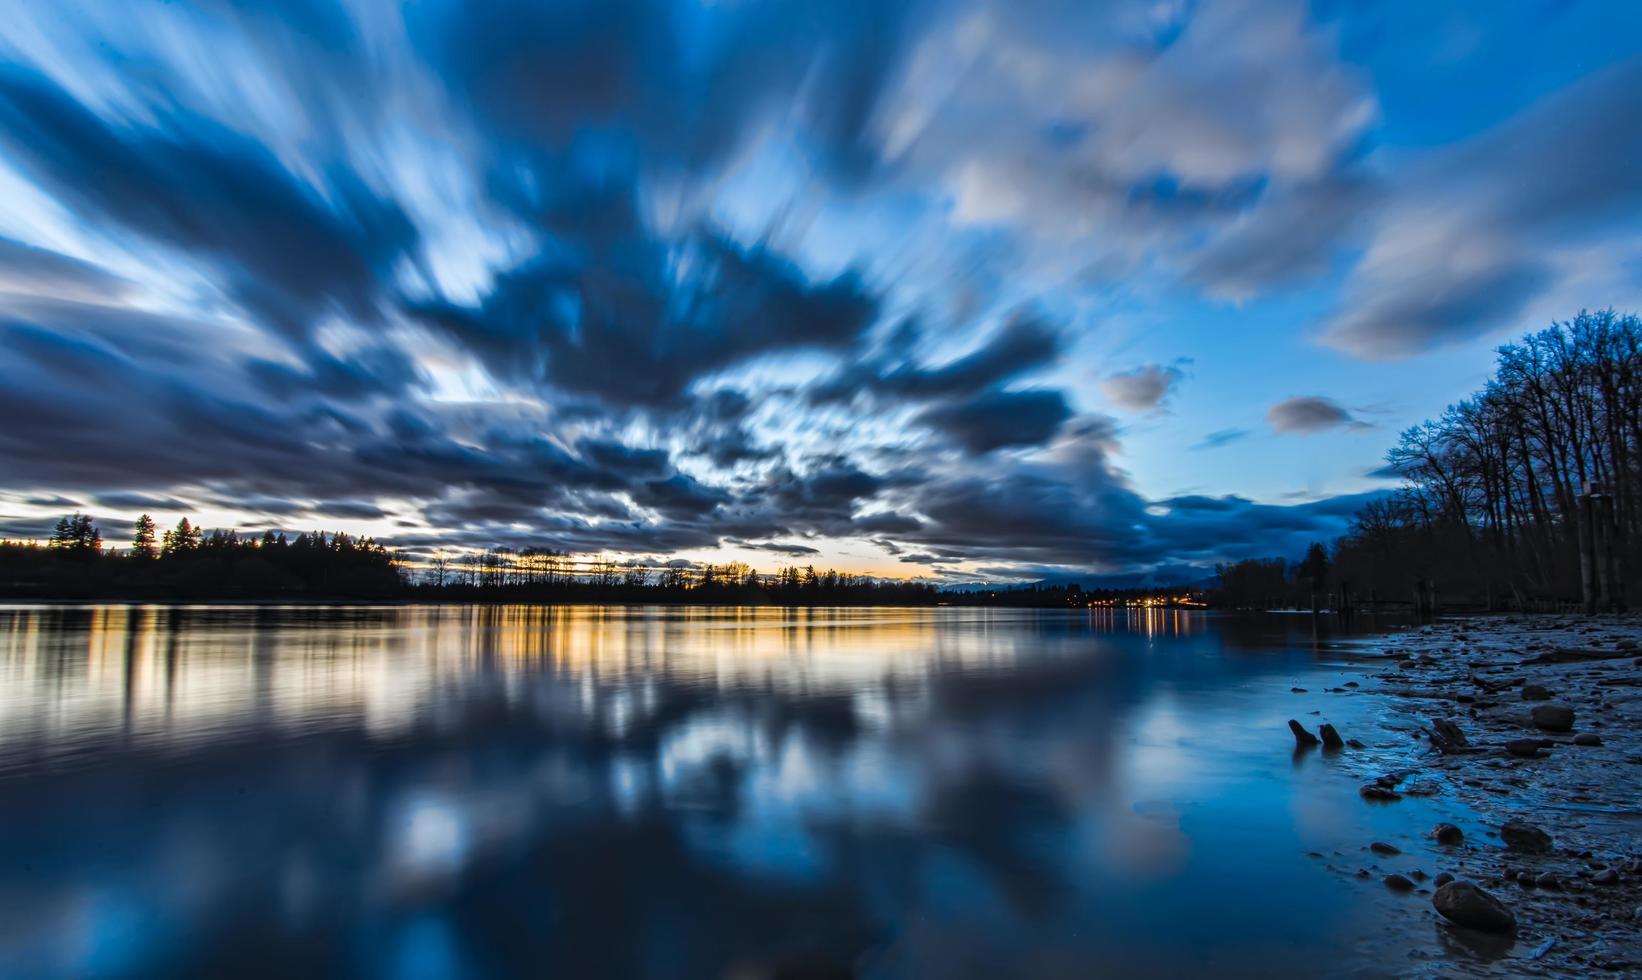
[[457, 791]]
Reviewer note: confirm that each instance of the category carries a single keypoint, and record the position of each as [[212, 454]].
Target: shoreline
[[1576, 897]]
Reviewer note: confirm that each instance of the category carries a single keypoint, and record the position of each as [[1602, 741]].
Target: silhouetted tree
[[181, 539], [142, 538]]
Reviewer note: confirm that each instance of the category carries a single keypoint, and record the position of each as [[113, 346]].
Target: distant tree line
[[1489, 511], [185, 562]]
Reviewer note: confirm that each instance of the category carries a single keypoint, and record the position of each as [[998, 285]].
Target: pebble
[[1447, 833], [1607, 876], [1398, 883], [1535, 692], [1587, 738], [1442, 879], [1381, 847]]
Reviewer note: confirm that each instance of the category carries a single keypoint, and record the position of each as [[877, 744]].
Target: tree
[[76, 534], [183, 538], [142, 540], [1314, 568]]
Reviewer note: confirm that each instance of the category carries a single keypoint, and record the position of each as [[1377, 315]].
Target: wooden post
[[1587, 551], [1613, 590]]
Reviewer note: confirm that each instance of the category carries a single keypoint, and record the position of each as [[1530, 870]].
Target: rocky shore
[[1528, 730]]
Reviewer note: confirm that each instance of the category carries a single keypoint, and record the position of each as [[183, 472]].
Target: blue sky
[[970, 289]]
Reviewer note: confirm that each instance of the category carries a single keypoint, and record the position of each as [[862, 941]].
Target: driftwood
[[1568, 655], [1447, 737]]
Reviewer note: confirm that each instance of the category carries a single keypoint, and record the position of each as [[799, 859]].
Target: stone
[[1625, 645], [1607, 876], [1526, 748], [1464, 904], [1525, 837], [1331, 738], [1447, 833], [1548, 880], [1398, 883], [1442, 879], [1553, 717], [1381, 847], [1302, 737], [1353, 743], [1374, 791], [1587, 738], [1535, 692]]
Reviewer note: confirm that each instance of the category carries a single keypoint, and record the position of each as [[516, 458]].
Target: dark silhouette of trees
[[194, 565], [76, 535], [142, 538], [181, 539], [1489, 510]]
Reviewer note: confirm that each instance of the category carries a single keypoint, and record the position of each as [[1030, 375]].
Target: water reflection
[[456, 791]]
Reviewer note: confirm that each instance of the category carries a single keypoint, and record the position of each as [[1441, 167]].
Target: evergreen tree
[[142, 541], [77, 535], [182, 538]]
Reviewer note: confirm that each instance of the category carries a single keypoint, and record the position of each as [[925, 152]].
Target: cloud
[[999, 419], [1308, 414], [1221, 437], [1469, 243], [290, 250], [1142, 389]]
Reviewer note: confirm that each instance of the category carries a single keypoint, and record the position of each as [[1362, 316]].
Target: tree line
[[187, 562], [1489, 509]]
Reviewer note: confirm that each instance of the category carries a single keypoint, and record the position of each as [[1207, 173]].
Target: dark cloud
[[1310, 413], [284, 248], [1142, 389], [1026, 342], [1000, 419], [140, 501], [625, 325], [780, 548]]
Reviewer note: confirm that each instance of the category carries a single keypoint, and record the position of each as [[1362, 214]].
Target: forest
[[1488, 514]]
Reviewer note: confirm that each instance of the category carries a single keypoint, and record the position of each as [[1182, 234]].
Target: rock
[[1447, 833], [1374, 791], [1548, 880], [1587, 738], [1353, 743], [1553, 717], [1398, 883], [1607, 876], [1447, 735], [1525, 837], [1381, 847], [1304, 738], [1442, 879], [1464, 904], [1331, 738], [1625, 645], [1535, 692], [1423, 787], [1526, 748]]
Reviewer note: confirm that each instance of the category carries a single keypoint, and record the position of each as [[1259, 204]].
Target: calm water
[[480, 791]]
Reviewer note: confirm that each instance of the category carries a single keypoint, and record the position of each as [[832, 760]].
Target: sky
[[975, 290]]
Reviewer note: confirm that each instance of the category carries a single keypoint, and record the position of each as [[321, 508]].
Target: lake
[[455, 791]]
